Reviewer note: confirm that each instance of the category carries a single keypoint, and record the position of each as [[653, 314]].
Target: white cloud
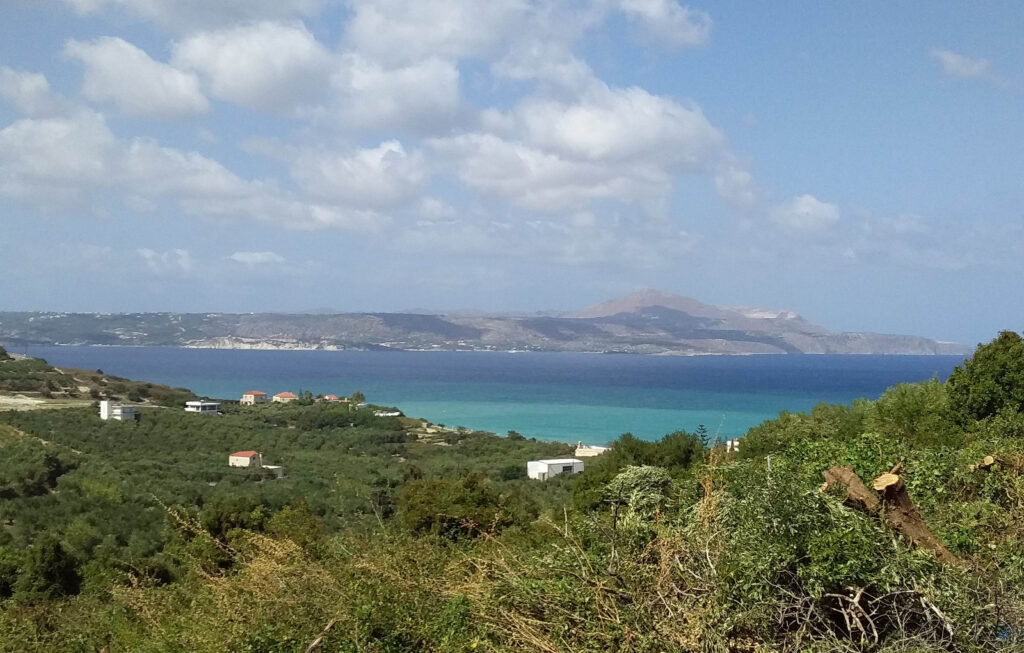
[[76, 161], [163, 171], [29, 93], [806, 213], [377, 178], [120, 73], [556, 155], [420, 96], [580, 238], [176, 262], [735, 184], [400, 32], [543, 181], [621, 124], [186, 15], [432, 208], [55, 160], [959, 66], [669, 23], [256, 258], [267, 66], [546, 61]]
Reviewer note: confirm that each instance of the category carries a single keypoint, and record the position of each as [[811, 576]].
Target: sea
[[568, 397]]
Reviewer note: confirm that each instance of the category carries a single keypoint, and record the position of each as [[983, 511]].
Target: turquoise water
[[569, 397]]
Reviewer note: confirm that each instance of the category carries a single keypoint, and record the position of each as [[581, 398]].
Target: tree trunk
[[902, 514], [857, 494], [892, 503]]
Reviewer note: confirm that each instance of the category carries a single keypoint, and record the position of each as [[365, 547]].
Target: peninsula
[[646, 322]]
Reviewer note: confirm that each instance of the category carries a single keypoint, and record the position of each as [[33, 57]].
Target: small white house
[[285, 397], [545, 469], [245, 459], [387, 413], [110, 410], [203, 407], [732, 446]]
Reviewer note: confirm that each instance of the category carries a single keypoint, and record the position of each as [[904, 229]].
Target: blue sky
[[860, 163]]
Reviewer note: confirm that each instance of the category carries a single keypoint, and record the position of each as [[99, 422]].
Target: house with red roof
[[245, 459], [254, 397], [285, 397]]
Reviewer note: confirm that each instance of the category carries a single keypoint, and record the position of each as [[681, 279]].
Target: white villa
[[110, 410], [285, 397], [254, 397], [203, 407], [542, 470], [254, 460], [245, 459]]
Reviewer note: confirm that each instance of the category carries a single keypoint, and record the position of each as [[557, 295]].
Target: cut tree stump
[[891, 502], [1013, 463]]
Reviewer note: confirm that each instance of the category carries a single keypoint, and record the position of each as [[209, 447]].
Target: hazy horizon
[[858, 164]]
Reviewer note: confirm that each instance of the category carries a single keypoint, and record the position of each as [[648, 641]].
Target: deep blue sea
[[553, 396]]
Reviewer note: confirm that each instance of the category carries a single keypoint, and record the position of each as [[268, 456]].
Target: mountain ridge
[[644, 322]]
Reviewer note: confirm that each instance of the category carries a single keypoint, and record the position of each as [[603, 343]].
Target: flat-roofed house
[[285, 397], [245, 459], [110, 410], [254, 397], [542, 470], [203, 407]]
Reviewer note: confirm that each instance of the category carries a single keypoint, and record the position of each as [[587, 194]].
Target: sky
[[859, 163]]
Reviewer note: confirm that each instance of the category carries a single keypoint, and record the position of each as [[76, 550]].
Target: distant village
[[540, 470], [249, 459]]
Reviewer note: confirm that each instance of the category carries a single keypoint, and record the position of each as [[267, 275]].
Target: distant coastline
[[647, 322], [267, 346]]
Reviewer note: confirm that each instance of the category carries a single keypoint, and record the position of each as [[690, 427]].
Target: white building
[[545, 469], [245, 459], [203, 407], [254, 397], [387, 413], [732, 446], [279, 471], [110, 410], [588, 450], [285, 397]]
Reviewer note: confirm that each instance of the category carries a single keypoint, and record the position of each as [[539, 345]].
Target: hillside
[[26, 382], [140, 537], [647, 322]]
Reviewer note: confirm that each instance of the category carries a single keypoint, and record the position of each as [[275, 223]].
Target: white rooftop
[[558, 461]]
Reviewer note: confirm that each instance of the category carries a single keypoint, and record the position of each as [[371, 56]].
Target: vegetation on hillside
[[138, 536], [34, 377]]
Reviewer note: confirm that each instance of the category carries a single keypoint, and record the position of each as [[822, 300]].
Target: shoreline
[[382, 349]]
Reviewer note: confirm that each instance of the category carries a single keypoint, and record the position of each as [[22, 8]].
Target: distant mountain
[[752, 319], [646, 322]]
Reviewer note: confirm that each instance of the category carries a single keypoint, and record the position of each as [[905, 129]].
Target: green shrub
[[990, 381]]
